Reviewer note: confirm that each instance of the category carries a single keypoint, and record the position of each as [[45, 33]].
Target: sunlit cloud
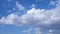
[[38, 20], [35, 16]]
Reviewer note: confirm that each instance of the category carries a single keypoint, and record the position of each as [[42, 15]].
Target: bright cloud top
[[33, 17]]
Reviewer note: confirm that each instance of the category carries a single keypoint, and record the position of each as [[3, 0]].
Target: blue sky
[[29, 16]]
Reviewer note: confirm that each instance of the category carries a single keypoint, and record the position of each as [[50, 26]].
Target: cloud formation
[[33, 17], [19, 6], [53, 3]]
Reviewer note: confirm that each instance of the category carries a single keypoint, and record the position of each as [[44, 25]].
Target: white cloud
[[9, 19], [20, 7], [34, 17]]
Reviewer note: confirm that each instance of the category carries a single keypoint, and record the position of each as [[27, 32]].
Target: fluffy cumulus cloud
[[9, 19], [33, 17]]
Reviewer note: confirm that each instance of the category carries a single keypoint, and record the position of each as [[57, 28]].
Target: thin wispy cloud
[[20, 7]]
